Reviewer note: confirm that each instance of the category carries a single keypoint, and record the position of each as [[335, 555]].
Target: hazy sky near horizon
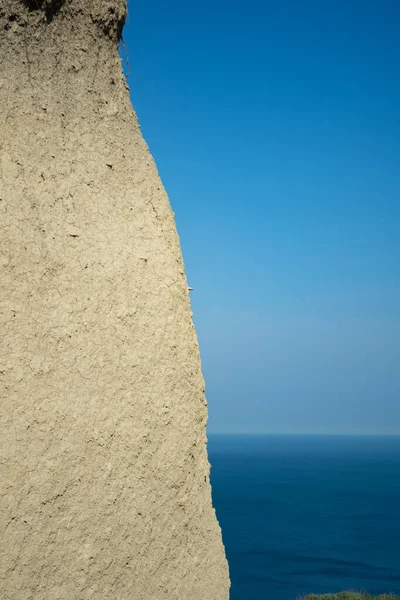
[[276, 131]]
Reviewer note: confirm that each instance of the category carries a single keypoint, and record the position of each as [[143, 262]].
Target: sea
[[308, 514]]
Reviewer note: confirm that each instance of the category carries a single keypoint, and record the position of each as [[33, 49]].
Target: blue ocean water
[[302, 514]]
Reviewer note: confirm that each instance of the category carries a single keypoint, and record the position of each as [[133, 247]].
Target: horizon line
[[306, 433]]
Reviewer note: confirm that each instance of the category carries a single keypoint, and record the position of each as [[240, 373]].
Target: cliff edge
[[105, 490]]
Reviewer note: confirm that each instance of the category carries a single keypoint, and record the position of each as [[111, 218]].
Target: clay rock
[[104, 474]]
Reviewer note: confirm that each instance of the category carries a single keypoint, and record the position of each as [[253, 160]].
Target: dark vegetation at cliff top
[[350, 595]]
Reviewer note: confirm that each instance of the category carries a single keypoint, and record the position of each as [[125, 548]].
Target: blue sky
[[276, 131]]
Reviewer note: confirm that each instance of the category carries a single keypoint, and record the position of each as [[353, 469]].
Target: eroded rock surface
[[104, 475]]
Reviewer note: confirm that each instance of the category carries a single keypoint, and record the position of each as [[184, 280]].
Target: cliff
[[104, 474]]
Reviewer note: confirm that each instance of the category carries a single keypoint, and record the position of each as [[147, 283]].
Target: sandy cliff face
[[105, 489]]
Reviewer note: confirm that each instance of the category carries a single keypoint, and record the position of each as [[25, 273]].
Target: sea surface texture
[[303, 514]]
